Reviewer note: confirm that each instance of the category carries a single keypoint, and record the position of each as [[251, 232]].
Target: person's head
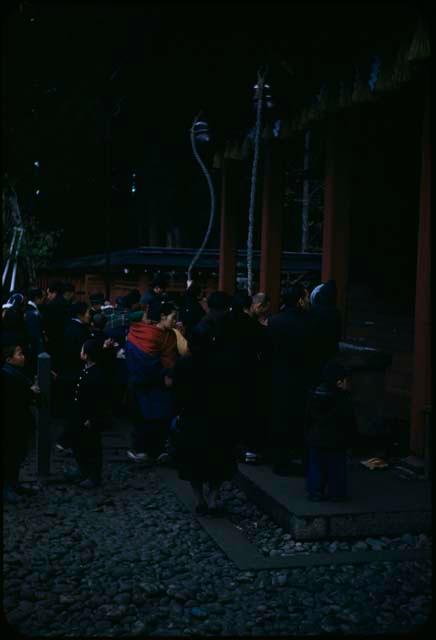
[[68, 291], [296, 297], [168, 315], [96, 300], [314, 296], [91, 352], [132, 299], [99, 321], [36, 295], [158, 284], [81, 311], [218, 301], [327, 295], [241, 301], [15, 301], [13, 354], [336, 375], [260, 305], [194, 291], [54, 290]]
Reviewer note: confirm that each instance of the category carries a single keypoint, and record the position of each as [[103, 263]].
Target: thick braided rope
[[212, 201], [260, 83]]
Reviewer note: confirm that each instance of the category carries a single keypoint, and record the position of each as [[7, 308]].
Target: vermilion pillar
[[272, 223], [336, 226], [421, 394], [230, 189]]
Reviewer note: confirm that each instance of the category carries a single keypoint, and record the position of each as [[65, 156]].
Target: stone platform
[[382, 503]]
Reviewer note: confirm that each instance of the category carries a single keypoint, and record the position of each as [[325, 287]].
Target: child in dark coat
[[18, 395], [329, 432], [90, 415]]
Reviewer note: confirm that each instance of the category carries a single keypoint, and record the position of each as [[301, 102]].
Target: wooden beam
[[336, 226]]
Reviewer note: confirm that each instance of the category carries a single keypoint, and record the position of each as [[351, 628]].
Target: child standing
[[90, 415], [329, 432], [18, 395]]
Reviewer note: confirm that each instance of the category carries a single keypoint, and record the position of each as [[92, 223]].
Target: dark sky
[[64, 64]]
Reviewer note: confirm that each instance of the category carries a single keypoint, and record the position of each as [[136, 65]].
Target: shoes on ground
[[163, 458], [61, 449], [137, 456], [89, 484], [251, 457]]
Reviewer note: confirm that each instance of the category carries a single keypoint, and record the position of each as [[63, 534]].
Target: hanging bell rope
[[259, 91], [199, 131]]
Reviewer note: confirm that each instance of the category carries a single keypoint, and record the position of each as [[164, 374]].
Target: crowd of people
[[205, 383]]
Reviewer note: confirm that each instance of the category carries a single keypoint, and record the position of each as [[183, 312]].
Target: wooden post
[[229, 215], [336, 226], [272, 224], [44, 432], [421, 389]]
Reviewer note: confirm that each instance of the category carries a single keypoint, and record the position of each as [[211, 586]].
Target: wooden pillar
[[421, 389], [272, 223], [229, 215], [336, 226]]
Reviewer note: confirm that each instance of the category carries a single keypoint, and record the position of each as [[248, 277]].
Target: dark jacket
[[91, 398], [207, 388], [290, 372], [75, 334], [55, 315], [17, 399], [324, 320], [330, 418], [190, 313]]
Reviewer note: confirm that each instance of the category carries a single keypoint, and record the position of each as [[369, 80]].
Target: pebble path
[[130, 560]]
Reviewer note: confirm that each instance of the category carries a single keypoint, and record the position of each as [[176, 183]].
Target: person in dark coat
[[76, 332], [18, 395], [290, 378], [191, 311], [324, 319], [96, 301], [14, 329], [34, 325], [55, 313], [153, 299], [209, 405], [330, 430], [90, 415], [251, 341]]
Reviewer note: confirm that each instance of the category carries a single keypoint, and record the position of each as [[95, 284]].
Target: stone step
[[382, 504]]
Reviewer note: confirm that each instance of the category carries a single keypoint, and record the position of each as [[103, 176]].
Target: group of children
[[329, 426]]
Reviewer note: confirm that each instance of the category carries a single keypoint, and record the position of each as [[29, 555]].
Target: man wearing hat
[[154, 298], [329, 432], [96, 301]]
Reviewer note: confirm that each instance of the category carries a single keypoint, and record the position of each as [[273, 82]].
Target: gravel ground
[[271, 540], [133, 561]]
